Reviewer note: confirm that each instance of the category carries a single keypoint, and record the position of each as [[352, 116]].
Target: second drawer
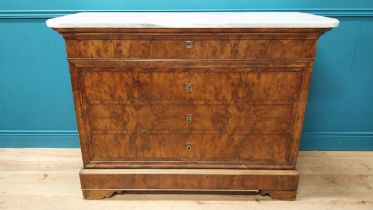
[[120, 86]]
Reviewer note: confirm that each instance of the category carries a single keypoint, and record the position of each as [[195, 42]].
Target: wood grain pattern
[[221, 118], [136, 86], [174, 147], [208, 48], [268, 181], [190, 99], [299, 113]]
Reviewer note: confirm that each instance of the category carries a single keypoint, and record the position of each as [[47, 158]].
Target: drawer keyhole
[[188, 147], [188, 44], [189, 87], [188, 118]]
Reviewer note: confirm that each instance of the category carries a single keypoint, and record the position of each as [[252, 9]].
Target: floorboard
[[48, 179]]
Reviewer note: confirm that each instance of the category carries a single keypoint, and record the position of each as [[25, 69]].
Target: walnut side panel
[[80, 117]]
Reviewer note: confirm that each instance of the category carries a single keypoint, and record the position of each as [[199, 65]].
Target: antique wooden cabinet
[[190, 101]]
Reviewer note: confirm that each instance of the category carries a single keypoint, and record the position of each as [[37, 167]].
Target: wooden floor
[[48, 179]]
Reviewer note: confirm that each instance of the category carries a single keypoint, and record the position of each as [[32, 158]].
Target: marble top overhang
[[192, 20]]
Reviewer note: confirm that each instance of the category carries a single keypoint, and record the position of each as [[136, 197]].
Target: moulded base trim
[[103, 183]]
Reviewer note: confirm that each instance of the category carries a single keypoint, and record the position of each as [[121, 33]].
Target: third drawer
[[223, 118]]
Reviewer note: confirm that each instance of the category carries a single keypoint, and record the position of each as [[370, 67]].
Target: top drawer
[[189, 48]]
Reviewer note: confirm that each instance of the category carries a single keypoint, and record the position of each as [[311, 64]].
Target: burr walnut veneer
[[190, 109]]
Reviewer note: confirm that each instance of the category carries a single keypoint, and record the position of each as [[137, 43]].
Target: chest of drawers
[[186, 108]]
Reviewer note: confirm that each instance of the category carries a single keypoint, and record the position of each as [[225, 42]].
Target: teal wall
[[36, 107]]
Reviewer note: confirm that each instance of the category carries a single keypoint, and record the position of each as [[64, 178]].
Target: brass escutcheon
[[188, 118], [189, 87], [188, 146], [188, 44]]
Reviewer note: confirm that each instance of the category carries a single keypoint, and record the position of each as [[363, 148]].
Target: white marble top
[[192, 20]]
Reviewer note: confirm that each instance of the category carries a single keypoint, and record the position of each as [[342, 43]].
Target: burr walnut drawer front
[[189, 147], [188, 48], [164, 86], [188, 115], [161, 118]]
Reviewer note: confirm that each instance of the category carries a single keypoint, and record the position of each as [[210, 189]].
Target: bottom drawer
[[189, 147]]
